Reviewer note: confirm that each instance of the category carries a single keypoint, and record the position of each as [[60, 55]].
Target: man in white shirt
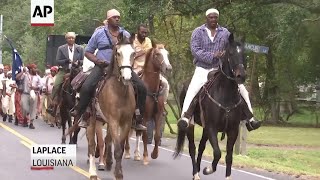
[[68, 55]]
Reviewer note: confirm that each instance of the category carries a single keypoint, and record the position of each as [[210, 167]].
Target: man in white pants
[[8, 98], [207, 43]]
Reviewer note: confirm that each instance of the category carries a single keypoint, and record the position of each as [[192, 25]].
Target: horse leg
[[145, 148], [100, 146], [69, 125], [232, 137], [63, 124], [91, 148], [118, 142], [157, 135], [108, 150], [75, 136], [137, 150], [202, 146], [212, 135], [127, 147], [192, 152]]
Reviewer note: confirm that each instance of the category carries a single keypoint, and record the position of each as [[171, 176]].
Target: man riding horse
[[141, 45], [68, 56], [104, 39], [206, 46]]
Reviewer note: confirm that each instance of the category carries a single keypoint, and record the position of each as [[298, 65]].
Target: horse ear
[[231, 38], [132, 37], [154, 45], [120, 37]]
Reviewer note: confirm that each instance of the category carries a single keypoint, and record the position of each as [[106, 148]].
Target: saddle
[[203, 93], [93, 109], [77, 81]]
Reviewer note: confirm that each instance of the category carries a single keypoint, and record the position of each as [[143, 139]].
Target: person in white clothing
[[8, 98], [207, 46]]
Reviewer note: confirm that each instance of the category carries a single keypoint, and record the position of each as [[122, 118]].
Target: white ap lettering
[[38, 12]]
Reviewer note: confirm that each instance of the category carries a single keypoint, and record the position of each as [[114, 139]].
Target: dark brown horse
[[219, 109], [115, 104], [156, 62], [68, 100]]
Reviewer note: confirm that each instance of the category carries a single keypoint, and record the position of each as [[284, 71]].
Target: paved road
[[15, 160]]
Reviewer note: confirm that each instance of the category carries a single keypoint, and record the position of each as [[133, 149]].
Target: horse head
[[158, 57], [165, 54], [232, 63], [124, 57]]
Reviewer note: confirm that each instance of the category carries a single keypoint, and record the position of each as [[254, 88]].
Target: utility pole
[[1, 22]]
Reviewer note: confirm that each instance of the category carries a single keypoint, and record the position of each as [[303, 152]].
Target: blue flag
[[17, 64]]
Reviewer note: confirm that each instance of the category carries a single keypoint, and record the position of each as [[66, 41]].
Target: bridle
[[155, 59], [230, 67]]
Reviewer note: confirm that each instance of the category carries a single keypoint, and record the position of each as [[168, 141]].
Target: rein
[[226, 108]]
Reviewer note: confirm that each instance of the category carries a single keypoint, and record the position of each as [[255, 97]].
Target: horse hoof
[[127, 156], [137, 158], [228, 177], [93, 177], [109, 167], [196, 177], [101, 167], [154, 155], [145, 161], [208, 170]]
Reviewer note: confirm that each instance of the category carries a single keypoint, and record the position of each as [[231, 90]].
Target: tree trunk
[[151, 24], [271, 90], [254, 91]]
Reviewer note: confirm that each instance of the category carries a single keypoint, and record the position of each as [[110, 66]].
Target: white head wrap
[[212, 10], [112, 12], [70, 34], [47, 71]]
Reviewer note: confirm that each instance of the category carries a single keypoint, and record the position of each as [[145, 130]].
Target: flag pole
[[1, 25]]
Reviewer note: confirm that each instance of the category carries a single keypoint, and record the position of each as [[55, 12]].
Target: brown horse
[[115, 104], [156, 62]]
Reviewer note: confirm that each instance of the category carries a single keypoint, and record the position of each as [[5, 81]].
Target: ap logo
[[42, 12]]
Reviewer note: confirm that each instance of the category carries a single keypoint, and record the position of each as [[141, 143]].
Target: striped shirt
[[203, 49]]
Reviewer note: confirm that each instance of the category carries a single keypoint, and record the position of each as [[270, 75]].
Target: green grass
[[306, 162], [280, 136]]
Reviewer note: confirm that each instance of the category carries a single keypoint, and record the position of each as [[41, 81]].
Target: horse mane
[[113, 65], [160, 46], [148, 55]]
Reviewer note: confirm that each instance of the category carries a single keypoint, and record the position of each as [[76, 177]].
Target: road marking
[[28, 143], [185, 155]]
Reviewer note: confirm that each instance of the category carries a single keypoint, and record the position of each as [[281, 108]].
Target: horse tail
[[181, 132], [180, 143]]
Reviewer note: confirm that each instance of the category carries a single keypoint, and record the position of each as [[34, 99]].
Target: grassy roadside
[[289, 150]]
